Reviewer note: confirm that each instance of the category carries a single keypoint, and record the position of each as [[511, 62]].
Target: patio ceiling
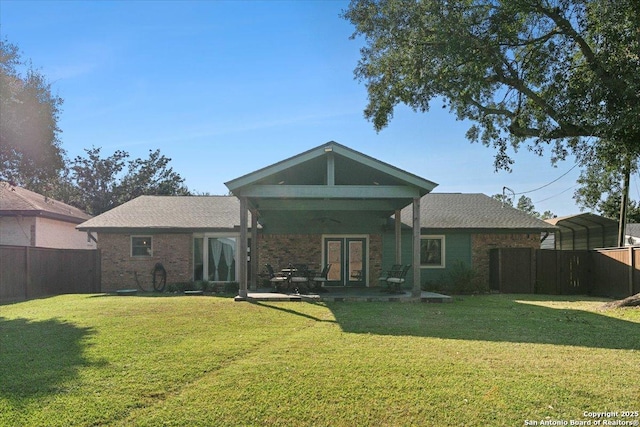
[[330, 180]]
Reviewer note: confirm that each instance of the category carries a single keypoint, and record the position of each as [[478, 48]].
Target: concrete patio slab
[[347, 294]]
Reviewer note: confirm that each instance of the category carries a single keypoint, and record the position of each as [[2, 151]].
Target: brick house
[[329, 205]]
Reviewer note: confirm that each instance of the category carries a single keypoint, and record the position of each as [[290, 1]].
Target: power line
[[551, 197], [548, 184]]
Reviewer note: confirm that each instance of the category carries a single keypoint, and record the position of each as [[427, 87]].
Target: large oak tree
[[30, 149], [557, 76]]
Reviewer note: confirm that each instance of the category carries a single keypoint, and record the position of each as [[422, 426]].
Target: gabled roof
[[330, 180], [351, 168], [16, 201], [468, 212], [186, 213]]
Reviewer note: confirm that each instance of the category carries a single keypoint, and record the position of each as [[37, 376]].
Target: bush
[[179, 287], [231, 288], [201, 285], [459, 279]]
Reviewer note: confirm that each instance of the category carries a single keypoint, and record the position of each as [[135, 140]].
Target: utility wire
[[551, 197], [548, 184]]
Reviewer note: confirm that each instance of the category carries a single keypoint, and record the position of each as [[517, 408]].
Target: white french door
[[347, 256]]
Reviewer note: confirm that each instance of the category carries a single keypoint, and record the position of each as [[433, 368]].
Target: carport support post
[[242, 256], [416, 292]]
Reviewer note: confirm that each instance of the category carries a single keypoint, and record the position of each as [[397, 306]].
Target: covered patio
[[346, 294], [328, 205]]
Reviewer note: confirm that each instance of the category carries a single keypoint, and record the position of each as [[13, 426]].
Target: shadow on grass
[[39, 357], [291, 311], [490, 319]]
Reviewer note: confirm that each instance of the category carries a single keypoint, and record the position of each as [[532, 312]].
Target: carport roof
[[583, 220]]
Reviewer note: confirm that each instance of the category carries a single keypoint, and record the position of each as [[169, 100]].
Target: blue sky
[[225, 88]]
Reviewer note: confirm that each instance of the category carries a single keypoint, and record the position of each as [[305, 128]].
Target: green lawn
[[496, 360]]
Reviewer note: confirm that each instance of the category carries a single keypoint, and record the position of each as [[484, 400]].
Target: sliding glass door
[[214, 258]]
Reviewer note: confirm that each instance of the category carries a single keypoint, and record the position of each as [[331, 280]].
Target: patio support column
[[242, 256], [254, 250], [398, 237], [416, 291]]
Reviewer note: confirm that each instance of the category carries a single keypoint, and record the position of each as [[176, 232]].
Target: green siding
[[457, 249]]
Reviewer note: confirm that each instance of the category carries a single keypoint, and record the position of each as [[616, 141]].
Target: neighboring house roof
[[633, 230], [170, 212], [474, 211], [18, 201]]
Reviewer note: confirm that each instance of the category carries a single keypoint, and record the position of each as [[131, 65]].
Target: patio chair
[[392, 272], [395, 282], [320, 280], [276, 279]]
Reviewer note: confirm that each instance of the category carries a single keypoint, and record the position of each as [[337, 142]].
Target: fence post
[[632, 268], [500, 275], [27, 272], [532, 267]]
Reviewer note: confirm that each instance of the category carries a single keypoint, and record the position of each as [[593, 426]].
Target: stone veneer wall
[[119, 268], [481, 244], [281, 249]]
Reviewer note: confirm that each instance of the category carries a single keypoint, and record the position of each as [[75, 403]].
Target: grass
[[93, 360]]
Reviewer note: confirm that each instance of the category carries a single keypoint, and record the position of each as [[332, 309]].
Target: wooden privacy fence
[[603, 272], [31, 272]]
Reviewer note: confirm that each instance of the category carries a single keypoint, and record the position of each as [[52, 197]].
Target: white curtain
[[215, 246], [228, 256]]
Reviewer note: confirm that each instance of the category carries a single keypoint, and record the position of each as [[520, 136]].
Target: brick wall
[[481, 244], [175, 252], [119, 268], [279, 250]]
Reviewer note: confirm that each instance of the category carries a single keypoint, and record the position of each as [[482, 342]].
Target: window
[[432, 251], [141, 246]]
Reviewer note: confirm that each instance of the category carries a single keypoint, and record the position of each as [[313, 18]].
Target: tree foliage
[[102, 183], [30, 150], [524, 204], [31, 154], [558, 74]]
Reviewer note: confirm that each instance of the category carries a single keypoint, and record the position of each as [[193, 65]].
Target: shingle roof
[[438, 211], [20, 201], [471, 211], [633, 229], [170, 212]]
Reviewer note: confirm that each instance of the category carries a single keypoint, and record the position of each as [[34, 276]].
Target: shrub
[[179, 287], [231, 288], [201, 285], [459, 279]]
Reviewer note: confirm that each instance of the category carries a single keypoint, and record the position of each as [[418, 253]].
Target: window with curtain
[[432, 251]]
